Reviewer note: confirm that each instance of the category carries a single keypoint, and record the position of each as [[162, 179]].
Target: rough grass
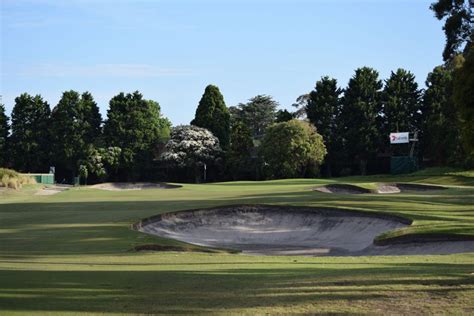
[[69, 254], [11, 179]]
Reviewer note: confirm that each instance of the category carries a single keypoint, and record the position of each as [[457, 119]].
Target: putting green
[[69, 254]]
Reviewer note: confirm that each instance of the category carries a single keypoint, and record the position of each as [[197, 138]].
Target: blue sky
[[171, 49]]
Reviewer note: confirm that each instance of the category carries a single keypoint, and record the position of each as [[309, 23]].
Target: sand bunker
[[52, 190], [342, 189], [382, 188], [124, 186], [277, 230]]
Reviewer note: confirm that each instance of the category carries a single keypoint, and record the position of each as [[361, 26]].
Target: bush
[[292, 149], [14, 180]]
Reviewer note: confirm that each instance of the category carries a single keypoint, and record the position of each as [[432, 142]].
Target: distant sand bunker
[[278, 230], [124, 186], [52, 189], [383, 188]]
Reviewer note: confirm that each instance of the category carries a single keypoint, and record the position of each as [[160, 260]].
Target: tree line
[[344, 130], [73, 138], [334, 130]]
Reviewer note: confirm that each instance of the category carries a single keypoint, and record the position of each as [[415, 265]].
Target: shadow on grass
[[191, 291]]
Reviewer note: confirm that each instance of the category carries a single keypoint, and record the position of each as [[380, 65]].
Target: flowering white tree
[[191, 146]]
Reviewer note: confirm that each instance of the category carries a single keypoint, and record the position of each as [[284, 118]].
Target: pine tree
[[137, 127], [441, 129], [457, 26], [75, 129], [4, 131], [30, 139], [257, 114], [323, 109], [361, 107], [463, 96], [402, 106], [213, 115]]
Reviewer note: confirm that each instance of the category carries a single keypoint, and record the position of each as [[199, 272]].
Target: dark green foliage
[[30, 142], [213, 115], [323, 109], [284, 116], [292, 149], [137, 127], [75, 129], [4, 131], [257, 114], [361, 107], [457, 27], [464, 102], [441, 129], [100, 162], [239, 157], [402, 106]]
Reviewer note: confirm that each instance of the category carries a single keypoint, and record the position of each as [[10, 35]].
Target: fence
[[44, 178]]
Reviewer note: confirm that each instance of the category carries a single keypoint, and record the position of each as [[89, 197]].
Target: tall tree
[[213, 115], [75, 128], [457, 27], [441, 130], [323, 109], [292, 149], [284, 116], [137, 127], [464, 101], [257, 114], [192, 147], [402, 106], [30, 141], [4, 131], [239, 157], [361, 107]]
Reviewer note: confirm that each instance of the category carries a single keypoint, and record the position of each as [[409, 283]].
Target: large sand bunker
[[278, 230], [382, 188], [125, 186]]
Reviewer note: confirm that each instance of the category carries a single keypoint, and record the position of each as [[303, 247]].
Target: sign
[[399, 138]]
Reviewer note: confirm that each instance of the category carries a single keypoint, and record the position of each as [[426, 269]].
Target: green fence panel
[[44, 178], [403, 164]]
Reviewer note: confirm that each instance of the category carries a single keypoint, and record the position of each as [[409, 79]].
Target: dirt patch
[[125, 186], [290, 230]]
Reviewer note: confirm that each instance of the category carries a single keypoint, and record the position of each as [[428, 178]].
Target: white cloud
[[101, 70]]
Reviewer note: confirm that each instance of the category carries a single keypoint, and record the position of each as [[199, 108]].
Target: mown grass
[[69, 254]]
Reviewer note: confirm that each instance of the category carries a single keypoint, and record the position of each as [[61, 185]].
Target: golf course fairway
[[75, 253]]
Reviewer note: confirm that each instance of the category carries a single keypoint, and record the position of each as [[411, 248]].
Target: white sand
[[126, 186], [52, 190], [272, 230], [382, 188], [342, 189]]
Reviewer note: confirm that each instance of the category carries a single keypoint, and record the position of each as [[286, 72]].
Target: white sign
[[399, 138]]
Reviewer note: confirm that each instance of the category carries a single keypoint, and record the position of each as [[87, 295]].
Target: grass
[[11, 179], [70, 254]]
